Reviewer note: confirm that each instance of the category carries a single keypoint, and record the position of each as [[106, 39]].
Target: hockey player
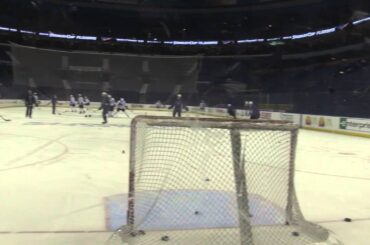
[[178, 106], [105, 106], [29, 102], [254, 111], [37, 101], [81, 103], [72, 103], [86, 101], [112, 105], [158, 104], [202, 105], [121, 106], [54, 101], [231, 111], [247, 107]]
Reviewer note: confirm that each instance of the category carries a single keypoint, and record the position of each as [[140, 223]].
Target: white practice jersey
[[87, 101], [72, 101], [121, 104], [112, 102], [158, 104], [80, 100]]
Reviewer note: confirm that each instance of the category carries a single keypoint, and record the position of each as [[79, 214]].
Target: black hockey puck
[[347, 220], [123, 152], [165, 238], [207, 180], [133, 234], [141, 232], [295, 233], [196, 212]]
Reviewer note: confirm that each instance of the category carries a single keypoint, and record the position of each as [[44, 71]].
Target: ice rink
[[56, 171]]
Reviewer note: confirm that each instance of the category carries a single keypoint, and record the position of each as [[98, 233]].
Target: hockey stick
[[126, 114], [5, 119]]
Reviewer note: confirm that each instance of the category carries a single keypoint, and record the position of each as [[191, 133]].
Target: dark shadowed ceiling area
[[179, 20]]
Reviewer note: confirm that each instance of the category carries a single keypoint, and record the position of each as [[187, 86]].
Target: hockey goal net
[[214, 181]]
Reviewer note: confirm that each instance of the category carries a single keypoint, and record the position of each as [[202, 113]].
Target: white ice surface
[[55, 172]]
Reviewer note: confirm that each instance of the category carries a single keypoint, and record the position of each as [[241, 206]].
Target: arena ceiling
[[188, 3], [257, 21], [188, 6], [207, 19]]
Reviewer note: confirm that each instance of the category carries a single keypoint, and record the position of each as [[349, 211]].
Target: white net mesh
[[211, 181]]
